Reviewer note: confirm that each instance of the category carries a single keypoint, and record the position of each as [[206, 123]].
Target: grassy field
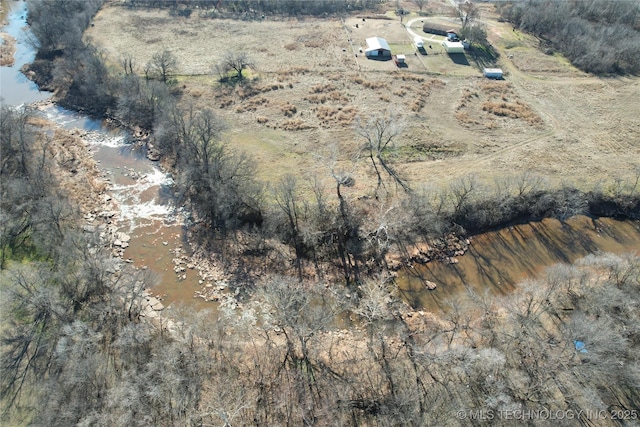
[[311, 84]]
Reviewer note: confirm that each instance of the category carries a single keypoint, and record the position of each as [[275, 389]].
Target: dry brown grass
[[433, 84], [295, 124], [411, 77], [245, 91], [596, 139], [401, 92], [370, 84], [494, 98], [496, 87], [288, 109], [423, 91], [321, 88], [322, 93], [294, 71], [330, 116], [225, 101], [252, 104], [315, 43], [324, 97], [417, 104], [514, 110], [463, 117], [7, 50]]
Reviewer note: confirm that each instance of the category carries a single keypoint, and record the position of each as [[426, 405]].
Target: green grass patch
[[402, 48]]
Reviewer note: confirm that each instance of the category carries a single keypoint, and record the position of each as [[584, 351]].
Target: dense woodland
[[254, 9], [77, 350], [597, 36]]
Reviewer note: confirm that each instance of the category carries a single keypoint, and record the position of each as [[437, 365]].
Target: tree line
[[76, 350], [34, 210], [255, 9], [597, 36]]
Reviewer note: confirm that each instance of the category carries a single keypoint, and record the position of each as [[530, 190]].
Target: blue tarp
[[580, 346]]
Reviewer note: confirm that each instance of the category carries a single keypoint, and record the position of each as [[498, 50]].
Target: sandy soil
[[309, 87]]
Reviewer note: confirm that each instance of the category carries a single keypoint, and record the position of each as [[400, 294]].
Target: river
[[15, 88], [140, 188], [496, 260]]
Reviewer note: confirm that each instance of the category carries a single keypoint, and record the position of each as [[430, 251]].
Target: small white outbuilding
[[377, 47], [453, 47], [492, 73]]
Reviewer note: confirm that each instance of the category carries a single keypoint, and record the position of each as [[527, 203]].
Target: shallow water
[[496, 261], [15, 88], [141, 190]]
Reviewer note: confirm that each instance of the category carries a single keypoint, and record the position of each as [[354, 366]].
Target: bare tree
[[420, 4], [128, 62], [380, 133], [461, 191], [16, 139], [300, 313], [142, 102], [236, 61], [291, 205], [161, 66], [217, 181], [468, 12]]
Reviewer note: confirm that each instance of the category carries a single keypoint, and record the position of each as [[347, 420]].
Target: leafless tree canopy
[[468, 12], [598, 36], [235, 62], [161, 66], [420, 3], [380, 133]]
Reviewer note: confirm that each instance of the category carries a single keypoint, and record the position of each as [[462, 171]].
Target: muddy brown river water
[[496, 261]]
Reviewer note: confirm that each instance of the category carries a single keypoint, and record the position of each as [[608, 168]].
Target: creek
[[495, 261], [140, 189]]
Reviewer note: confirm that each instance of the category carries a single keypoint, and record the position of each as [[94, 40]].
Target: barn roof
[[375, 43]]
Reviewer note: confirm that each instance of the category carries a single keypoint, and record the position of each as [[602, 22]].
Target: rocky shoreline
[[446, 250], [101, 212], [79, 175]]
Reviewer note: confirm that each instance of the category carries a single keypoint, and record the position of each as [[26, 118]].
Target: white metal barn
[[377, 48], [453, 47]]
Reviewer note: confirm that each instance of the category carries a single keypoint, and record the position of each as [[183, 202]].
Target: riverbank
[[428, 275], [7, 50], [89, 188]]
